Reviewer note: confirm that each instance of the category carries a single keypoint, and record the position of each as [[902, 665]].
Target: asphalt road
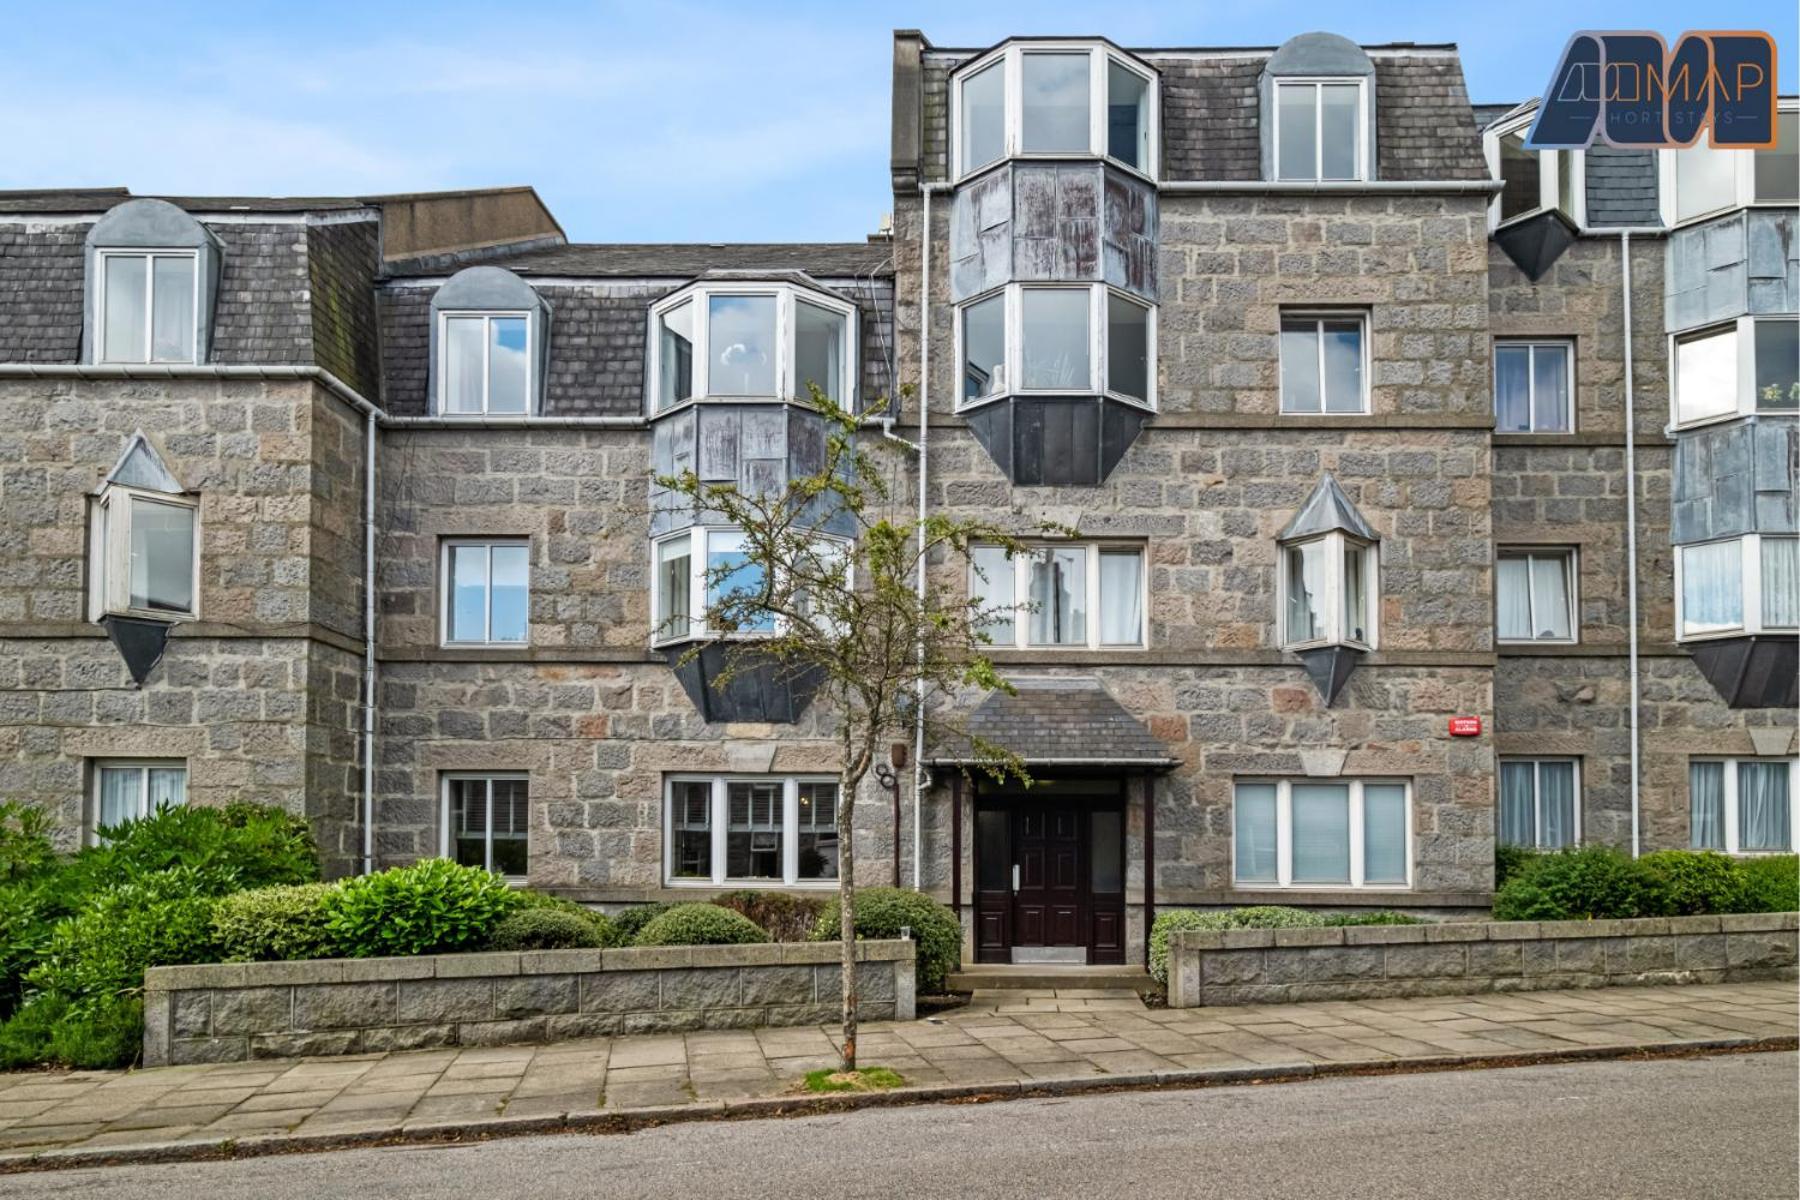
[[1714, 1128]]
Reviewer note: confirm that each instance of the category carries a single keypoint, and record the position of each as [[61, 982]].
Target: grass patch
[[869, 1079]]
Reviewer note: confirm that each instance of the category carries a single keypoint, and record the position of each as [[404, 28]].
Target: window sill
[[1250, 885], [1072, 156], [151, 614], [753, 885], [965, 408], [1526, 643]]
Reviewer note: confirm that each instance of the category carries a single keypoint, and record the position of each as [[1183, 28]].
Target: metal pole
[[1631, 555]]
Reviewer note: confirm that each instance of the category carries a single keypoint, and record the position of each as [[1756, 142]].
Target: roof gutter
[[1346, 187]]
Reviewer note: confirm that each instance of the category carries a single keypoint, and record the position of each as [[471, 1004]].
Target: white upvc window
[[1325, 362], [1741, 585], [1540, 803], [485, 365], [1321, 129], [1735, 368], [1056, 339], [485, 597], [1698, 181], [1535, 180], [750, 830], [126, 789], [486, 821], [1329, 592], [1072, 595], [1535, 595], [1743, 805], [1322, 833], [144, 554], [1534, 386], [703, 569], [146, 307], [750, 341], [1054, 100]]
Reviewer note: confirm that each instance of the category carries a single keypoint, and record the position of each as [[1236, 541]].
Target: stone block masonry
[[230, 1012], [1265, 966]]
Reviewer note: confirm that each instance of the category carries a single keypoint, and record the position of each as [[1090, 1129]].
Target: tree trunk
[[847, 913]]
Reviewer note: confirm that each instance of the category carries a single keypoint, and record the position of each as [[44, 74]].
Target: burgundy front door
[[1049, 900]]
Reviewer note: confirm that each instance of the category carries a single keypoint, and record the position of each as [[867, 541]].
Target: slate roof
[[683, 260], [1062, 720], [1326, 510], [96, 200], [1621, 183]]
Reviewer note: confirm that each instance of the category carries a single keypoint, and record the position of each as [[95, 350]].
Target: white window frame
[[1336, 542], [487, 317], [1537, 796], [1744, 174], [1535, 346], [1749, 572], [1571, 556], [109, 552], [446, 836], [1318, 316], [101, 257], [1021, 567], [1731, 801], [1744, 386], [1011, 57], [698, 555], [143, 766], [1013, 332], [1362, 125], [1284, 835], [1549, 176], [447, 593], [786, 296], [720, 827]]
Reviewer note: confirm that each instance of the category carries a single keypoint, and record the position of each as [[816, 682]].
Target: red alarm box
[[1465, 726]]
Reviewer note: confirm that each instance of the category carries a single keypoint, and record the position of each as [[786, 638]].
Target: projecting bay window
[[1324, 362], [1322, 834], [1320, 129], [484, 363], [706, 583], [1699, 181], [1050, 339], [147, 306], [750, 342], [1746, 366], [1742, 805], [1066, 595], [761, 830], [1328, 592], [487, 822], [1738, 586], [1533, 181], [1055, 100], [1533, 387], [486, 592], [144, 554], [1535, 595], [1540, 803]]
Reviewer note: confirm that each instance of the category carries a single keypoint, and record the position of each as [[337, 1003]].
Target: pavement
[[1670, 1129], [1002, 1044]]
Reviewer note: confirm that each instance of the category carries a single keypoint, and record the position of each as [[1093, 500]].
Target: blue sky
[[636, 122]]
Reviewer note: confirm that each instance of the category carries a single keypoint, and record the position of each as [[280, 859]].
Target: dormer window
[[742, 341], [1533, 181], [486, 363], [146, 306], [1057, 339], [1319, 127], [1055, 100]]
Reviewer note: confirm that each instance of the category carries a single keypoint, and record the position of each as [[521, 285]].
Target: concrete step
[[984, 977]]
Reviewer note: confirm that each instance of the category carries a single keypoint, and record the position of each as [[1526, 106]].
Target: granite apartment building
[[1416, 492]]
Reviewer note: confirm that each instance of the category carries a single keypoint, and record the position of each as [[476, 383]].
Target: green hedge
[[274, 924], [1259, 916], [700, 925], [882, 912], [631, 921], [1599, 882], [547, 929], [434, 906]]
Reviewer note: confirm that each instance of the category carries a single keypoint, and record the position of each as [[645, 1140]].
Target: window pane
[[1780, 582], [1512, 389], [675, 355], [733, 583], [818, 831], [983, 116], [1556, 804], [818, 351], [172, 310], [1296, 109], [991, 586], [1055, 94], [1550, 376], [1706, 375], [462, 364], [1384, 833], [1339, 136], [690, 813], [1565, 182], [1108, 846], [1127, 348], [511, 814], [468, 593], [1518, 803], [162, 556], [1705, 180], [1054, 329], [468, 821], [121, 795], [1706, 805], [1343, 365], [1356, 605], [984, 348], [993, 853], [1550, 596], [1127, 116], [1521, 177], [1121, 598], [123, 338], [1253, 833], [1305, 592], [508, 366], [1299, 365], [1778, 169], [674, 577], [1764, 822], [1512, 587], [1059, 597], [1778, 366], [1712, 587], [741, 343], [510, 606], [753, 837], [1321, 846], [168, 786]]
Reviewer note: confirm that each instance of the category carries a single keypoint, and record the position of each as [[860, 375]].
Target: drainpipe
[[1631, 557], [919, 773], [368, 726]]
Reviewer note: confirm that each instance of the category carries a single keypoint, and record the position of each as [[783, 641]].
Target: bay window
[[1533, 181], [1540, 803], [147, 307], [1328, 591], [1745, 366], [1057, 339], [1055, 100], [1742, 805], [757, 830], [1087, 596], [486, 592], [705, 583], [487, 821], [1321, 834], [130, 789], [1700, 181], [484, 363], [750, 341], [1743, 585], [145, 554], [1320, 127], [1324, 359], [1533, 387], [1535, 595]]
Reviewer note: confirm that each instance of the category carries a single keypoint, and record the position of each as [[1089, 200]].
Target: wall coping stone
[[1480, 931]]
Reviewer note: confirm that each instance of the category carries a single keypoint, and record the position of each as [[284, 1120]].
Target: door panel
[[993, 885], [1049, 906]]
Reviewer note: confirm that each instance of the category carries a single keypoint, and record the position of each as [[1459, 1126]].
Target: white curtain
[[1780, 582], [1518, 823], [1556, 802], [1706, 805], [1514, 598], [121, 795], [1121, 599], [1321, 844], [1550, 591], [1254, 832], [1763, 806], [1712, 588]]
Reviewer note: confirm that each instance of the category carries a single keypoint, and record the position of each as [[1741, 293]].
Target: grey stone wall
[[229, 1012], [1273, 966]]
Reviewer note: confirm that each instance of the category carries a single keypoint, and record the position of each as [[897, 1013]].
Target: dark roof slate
[[685, 260], [1059, 719], [1325, 511]]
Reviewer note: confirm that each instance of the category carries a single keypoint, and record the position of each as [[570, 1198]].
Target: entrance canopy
[[1060, 721]]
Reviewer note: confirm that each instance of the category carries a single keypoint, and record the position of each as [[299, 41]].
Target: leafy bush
[[881, 912], [1374, 918], [1510, 861], [1589, 883], [229, 849], [102, 951], [110, 1034], [786, 918], [1771, 884], [700, 925], [1696, 881], [1166, 923], [631, 922], [1257, 916], [25, 846], [273, 924], [546, 928], [432, 907]]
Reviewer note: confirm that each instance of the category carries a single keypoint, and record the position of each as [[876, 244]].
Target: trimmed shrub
[[1374, 918], [1696, 881], [881, 912], [434, 906], [1257, 916], [273, 924], [1510, 861], [700, 925], [1589, 883], [786, 918], [536, 901], [552, 929], [1772, 883], [631, 921], [1166, 923]]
